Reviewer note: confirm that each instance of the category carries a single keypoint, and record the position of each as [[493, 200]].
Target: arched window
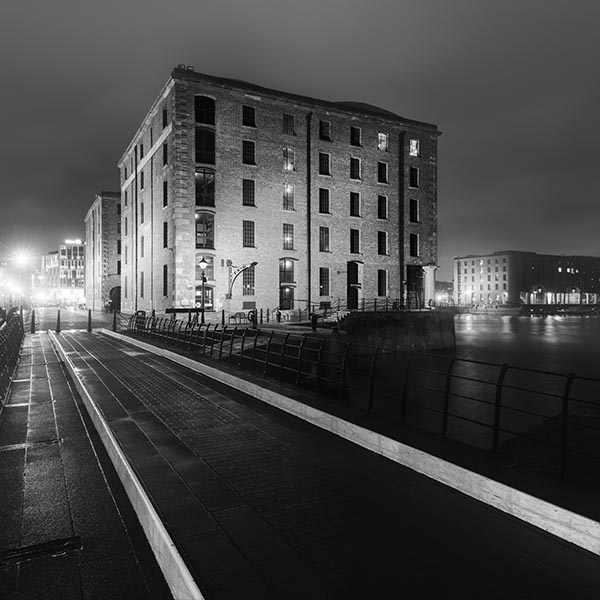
[[204, 110]]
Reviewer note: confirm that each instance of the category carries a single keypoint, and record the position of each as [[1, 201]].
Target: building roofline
[[524, 253]]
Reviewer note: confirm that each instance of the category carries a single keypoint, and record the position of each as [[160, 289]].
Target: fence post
[[565, 423], [223, 317], [33, 321], [261, 316], [231, 342], [372, 379], [299, 369], [498, 405], [267, 315], [89, 327], [58, 321], [244, 332], [447, 396], [404, 399]]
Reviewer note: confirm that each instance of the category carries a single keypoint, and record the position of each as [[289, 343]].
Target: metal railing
[[11, 339], [526, 414]]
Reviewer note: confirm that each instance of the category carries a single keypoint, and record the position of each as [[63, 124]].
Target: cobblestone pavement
[[263, 505], [67, 529]]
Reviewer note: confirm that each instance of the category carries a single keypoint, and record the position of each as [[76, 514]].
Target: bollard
[[261, 316], [223, 317], [58, 321], [89, 321], [33, 321], [115, 319]]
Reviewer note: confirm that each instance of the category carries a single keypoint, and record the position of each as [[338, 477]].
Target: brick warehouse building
[[292, 202], [103, 250]]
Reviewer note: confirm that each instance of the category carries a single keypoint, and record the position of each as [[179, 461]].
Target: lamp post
[[202, 264]]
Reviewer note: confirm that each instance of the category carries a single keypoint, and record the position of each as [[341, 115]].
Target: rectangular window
[[118, 267], [324, 200], [141, 284], [165, 193], [248, 234], [165, 280], [382, 282], [382, 172], [286, 270], [204, 110], [325, 130], [354, 241], [125, 255], [165, 119], [414, 147], [323, 239], [141, 150], [323, 281], [288, 196], [413, 211], [355, 136], [205, 146], [413, 177], [118, 246], [355, 168], [205, 187], [354, 204], [288, 236], [288, 124], [141, 180], [324, 164], [383, 141], [248, 192], [205, 230], [248, 116], [165, 234], [382, 243], [165, 153], [141, 212], [126, 198], [288, 159], [248, 152], [248, 282], [414, 244], [382, 207]]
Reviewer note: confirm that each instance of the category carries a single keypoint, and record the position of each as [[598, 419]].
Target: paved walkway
[[260, 504], [67, 529]]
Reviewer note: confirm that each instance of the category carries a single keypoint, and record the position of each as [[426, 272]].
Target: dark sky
[[513, 85]]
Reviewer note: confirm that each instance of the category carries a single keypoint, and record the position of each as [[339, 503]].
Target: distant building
[[103, 251], [61, 280], [311, 203], [444, 292], [512, 277]]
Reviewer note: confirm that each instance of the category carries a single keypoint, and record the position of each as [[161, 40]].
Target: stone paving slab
[[261, 504]]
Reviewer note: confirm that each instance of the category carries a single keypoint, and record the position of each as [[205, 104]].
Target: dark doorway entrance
[[353, 285], [286, 298], [415, 294], [115, 298]]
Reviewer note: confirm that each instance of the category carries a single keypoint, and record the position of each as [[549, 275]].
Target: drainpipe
[[308, 210]]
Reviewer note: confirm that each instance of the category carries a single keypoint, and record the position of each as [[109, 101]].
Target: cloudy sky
[[513, 85]]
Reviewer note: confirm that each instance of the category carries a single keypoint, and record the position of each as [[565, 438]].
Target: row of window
[[204, 113]]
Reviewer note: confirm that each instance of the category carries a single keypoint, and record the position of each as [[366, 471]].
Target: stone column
[[429, 284]]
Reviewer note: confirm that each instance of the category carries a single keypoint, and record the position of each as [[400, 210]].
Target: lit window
[[248, 282], [205, 230], [286, 271], [288, 197], [323, 239], [382, 141], [288, 159], [323, 281], [288, 236], [414, 147]]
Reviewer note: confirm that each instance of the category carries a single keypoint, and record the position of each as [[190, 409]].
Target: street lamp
[[202, 264]]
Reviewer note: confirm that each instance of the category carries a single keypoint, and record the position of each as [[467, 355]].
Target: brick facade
[[384, 243]]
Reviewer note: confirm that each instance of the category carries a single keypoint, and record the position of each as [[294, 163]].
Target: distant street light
[[21, 259], [202, 264]]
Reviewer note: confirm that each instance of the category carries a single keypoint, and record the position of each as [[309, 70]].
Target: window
[[324, 200], [413, 177], [248, 234], [382, 207], [414, 147], [414, 244], [325, 130], [323, 281], [165, 153], [354, 204], [382, 172], [248, 192], [288, 196], [204, 110], [125, 286], [355, 136], [141, 284], [205, 146], [165, 234], [383, 141], [205, 230], [118, 246], [165, 117], [126, 253], [209, 272], [382, 243], [248, 152], [248, 279], [288, 236], [354, 168], [141, 212], [141, 180], [118, 267], [205, 187], [324, 164], [141, 150], [354, 241], [381, 282], [126, 198], [413, 211], [288, 159], [286, 270], [288, 124], [165, 280], [323, 239], [165, 193], [248, 116]]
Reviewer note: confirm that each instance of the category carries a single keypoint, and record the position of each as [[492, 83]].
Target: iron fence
[[546, 419], [11, 339]]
